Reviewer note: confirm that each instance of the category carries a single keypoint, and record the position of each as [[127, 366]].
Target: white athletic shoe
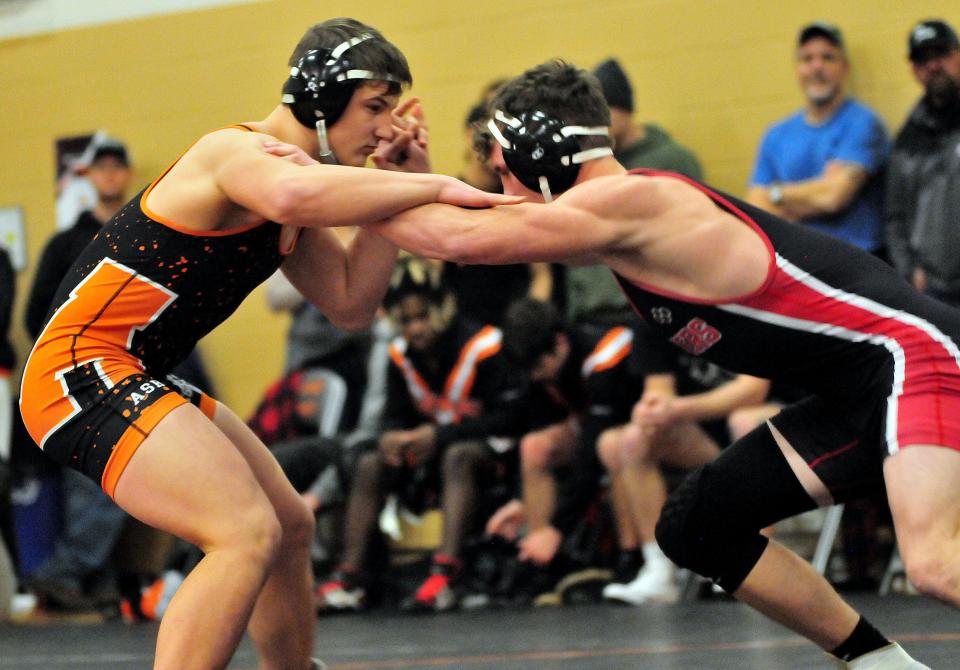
[[317, 664], [891, 657], [653, 584]]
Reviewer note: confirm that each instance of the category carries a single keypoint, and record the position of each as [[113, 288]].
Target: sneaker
[[436, 594], [891, 657], [527, 584], [652, 585], [629, 562], [317, 664], [340, 593]]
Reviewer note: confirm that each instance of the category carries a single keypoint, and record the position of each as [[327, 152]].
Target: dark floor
[[716, 635]]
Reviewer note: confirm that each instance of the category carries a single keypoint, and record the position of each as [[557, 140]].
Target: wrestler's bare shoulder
[[624, 195], [192, 192]]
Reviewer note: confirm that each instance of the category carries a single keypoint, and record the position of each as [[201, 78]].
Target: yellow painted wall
[[714, 73]]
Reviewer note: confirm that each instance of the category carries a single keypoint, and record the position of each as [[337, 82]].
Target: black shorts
[[845, 450], [109, 424]]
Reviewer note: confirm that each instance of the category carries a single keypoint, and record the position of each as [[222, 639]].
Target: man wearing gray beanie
[[640, 145]]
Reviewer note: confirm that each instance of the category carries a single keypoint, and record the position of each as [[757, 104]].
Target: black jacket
[[923, 197], [57, 258], [7, 291]]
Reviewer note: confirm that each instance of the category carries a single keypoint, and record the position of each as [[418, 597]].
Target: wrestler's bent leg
[[922, 485], [189, 479]]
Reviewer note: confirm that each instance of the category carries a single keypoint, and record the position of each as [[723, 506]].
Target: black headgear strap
[[320, 86], [542, 152]]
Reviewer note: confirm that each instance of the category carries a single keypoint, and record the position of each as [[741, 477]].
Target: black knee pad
[[712, 522], [695, 536]]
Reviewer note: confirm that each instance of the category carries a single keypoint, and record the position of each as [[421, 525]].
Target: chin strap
[[545, 189], [326, 153]]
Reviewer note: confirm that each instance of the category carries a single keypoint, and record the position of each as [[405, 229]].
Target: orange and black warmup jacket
[[462, 385]]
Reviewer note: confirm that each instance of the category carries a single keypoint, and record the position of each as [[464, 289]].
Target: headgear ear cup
[[542, 152], [320, 86], [312, 91]]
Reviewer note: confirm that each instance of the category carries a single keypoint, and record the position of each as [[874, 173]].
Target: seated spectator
[[447, 396], [582, 383], [678, 422]]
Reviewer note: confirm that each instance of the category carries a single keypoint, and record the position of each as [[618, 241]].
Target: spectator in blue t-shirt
[[819, 166]]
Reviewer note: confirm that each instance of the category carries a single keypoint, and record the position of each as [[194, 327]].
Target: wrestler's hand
[[421, 444], [407, 151], [541, 545], [455, 192], [288, 152], [507, 520]]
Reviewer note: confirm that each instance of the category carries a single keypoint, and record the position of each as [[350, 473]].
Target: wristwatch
[[775, 193]]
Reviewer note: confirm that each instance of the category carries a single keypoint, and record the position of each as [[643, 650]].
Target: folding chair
[[323, 394], [828, 535]]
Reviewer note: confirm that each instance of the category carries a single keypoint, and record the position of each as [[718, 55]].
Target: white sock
[[654, 558]]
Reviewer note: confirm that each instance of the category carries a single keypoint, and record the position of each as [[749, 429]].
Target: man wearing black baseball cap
[[106, 164], [931, 38], [923, 179], [110, 147]]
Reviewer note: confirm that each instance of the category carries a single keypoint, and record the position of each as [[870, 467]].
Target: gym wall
[[714, 73]]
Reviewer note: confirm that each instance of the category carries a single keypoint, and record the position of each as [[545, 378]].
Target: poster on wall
[[75, 193], [12, 236]]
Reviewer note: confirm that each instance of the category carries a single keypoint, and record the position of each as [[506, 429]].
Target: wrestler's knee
[[297, 523], [933, 567], [695, 532], [254, 529], [679, 529]]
